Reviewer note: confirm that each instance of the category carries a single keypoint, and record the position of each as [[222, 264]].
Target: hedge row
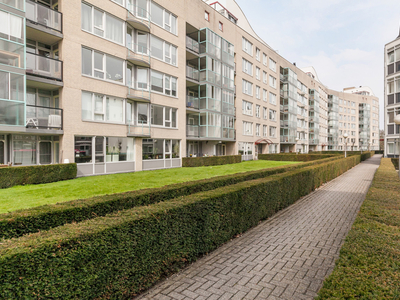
[[18, 223], [369, 262], [119, 255], [294, 157], [395, 162], [11, 176], [210, 160]]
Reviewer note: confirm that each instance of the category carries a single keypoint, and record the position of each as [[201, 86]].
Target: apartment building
[[392, 97], [130, 85]]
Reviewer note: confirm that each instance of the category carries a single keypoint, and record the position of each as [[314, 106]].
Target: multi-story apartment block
[[130, 85], [392, 97]]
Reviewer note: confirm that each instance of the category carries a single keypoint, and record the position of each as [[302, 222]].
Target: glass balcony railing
[[313, 141], [192, 102], [43, 15], [137, 15], [138, 52], [138, 94], [192, 131], [43, 66], [210, 76], [41, 117], [18, 4], [141, 129], [210, 104], [191, 44], [288, 139], [229, 133], [192, 73], [228, 108], [286, 123]]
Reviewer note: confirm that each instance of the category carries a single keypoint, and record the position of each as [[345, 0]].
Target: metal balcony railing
[[141, 129], [41, 117], [43, 15], [44, 66]]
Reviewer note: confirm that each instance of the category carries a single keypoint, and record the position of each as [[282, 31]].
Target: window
[[258, 54], [247, 46], [207, 16], [272, 115], [264, 59], [163, 116], [160, 149], [163, 50], [272, 81], [103, 66], [265, 131], [272, 98], [265, 93], [264, 77], [102, 24], [258, 73], [247, 128], [163, 18], [102, 108], [247, 87], [247, 108], [247, 67], [11, 28], [163, 83], [272, 131], [257, 129], [353, 111], [12, 86], [258, 108], [221, 26], [265, 113], [258, 92], [272, 65], [119, 149]]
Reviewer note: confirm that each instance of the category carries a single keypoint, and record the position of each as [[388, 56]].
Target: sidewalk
[[287, 256]]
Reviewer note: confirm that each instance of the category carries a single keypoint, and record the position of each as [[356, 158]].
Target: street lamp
[[345, 135], [397, 121]]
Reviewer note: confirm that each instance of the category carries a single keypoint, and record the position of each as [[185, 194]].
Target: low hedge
[[119, 255], [11, 176], [369, 262], [18, 223], [210, 160], [395, 162], [293, 157]]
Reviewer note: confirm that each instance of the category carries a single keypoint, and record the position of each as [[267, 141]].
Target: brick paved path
[[285, 257]]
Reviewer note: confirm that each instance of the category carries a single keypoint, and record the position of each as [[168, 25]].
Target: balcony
[[41, 117], [192, 102], [192, 74], [142, 129], [192, 45], [313, 141], [288, 139], [287, 123], [138, 17], [138, 55], [192, 131], [43, 66], [229, 133], [44, 24], [138, 94]]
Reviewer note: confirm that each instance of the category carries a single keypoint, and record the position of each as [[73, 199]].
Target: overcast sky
[[342, 39]]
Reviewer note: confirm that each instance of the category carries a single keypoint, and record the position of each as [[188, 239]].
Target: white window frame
[[272, 64], [247, 46], [247, 108], [247, 128]]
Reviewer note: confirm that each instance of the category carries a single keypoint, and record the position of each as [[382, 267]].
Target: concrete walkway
[[286, 257]]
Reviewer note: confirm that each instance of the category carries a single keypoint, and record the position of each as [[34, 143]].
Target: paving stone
[[285, 257]]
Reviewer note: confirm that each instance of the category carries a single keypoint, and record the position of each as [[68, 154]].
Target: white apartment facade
[[130, 85], [392, 97]]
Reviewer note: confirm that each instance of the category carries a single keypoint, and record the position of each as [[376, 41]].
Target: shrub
[[11, 176], [31, 220], [210, 160], [369, 262], [395, 162], [294, 157], [119, 255]]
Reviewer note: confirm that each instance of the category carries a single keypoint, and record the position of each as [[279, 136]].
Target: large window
[[247, 128], [11, 27], [247, 67], [272, 98], [247, 108], [103, 66], [24, 150], [247, 46], [163, 116], [102, 24], [272, 81], [160, 149], [102, 108], [106, 149], [247, 87], [163, 83], [163, 18], [163, 50], [12, 86]]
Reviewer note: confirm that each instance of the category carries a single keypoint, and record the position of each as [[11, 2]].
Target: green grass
[[369, 262], [21, 197]]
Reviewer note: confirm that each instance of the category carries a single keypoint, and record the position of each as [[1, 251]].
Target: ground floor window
[[245, 148], [160, 149], [103, 149], [32, 150]]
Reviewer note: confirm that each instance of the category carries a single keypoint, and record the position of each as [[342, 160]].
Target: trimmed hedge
[[210, 160], [18, 223], [294, 157], [11, 176], [395, 162], [119, 255], [369, 262]]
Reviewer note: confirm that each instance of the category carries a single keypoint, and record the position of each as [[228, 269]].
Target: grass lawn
[[21, 197], [369, 262]]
